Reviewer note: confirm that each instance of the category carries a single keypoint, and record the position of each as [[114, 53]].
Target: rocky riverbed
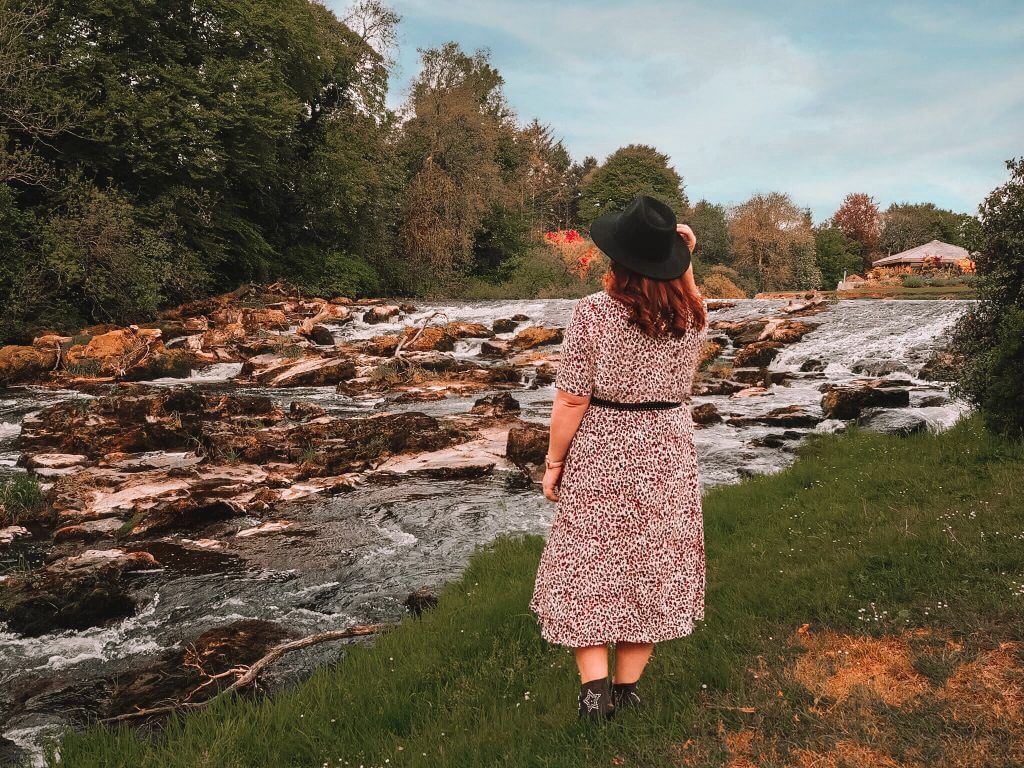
[[261, 465]]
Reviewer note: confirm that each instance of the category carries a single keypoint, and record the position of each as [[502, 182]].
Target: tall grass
[[20, 496], [864, 533]]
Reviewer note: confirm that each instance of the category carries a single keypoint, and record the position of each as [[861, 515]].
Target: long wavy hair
[[657, 307]]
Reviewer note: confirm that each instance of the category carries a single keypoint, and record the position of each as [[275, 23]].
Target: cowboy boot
[[596, 700], [624, 696]]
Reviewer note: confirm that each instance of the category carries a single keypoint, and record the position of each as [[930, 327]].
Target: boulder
[[11, 532], [20, 365], [535, 336], [75, 593], [519, 317], [785, 330], [495, 405], [932, 401], [381, 346], [504, 325], [527, 443], [848, 400], [705, 388], [321, 334], [309, 372], [758, 354], [301, 410], [462, 330], [760, 376], [705, 413], [788, 416], [545, 374], [495, 348], [901, 423], [381, 313], [433, 338], [740, 331], [264, 319], [812, 364]]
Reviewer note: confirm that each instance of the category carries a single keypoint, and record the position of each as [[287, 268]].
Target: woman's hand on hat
[[688, 236]]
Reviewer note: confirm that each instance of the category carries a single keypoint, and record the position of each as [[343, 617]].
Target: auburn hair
[[657, 307]]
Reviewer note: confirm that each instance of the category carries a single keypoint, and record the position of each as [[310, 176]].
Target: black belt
[[648, 405]]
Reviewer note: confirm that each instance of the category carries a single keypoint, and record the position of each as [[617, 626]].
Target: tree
[[860, 220], [772, 244], [836, 255], [546, 181], [633, 170], [990, 336], [710, 224], [908, 225], [460, 151]]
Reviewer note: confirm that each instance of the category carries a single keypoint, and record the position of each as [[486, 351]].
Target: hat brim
[[674, 265]]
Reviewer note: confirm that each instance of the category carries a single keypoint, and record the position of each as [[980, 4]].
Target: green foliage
[[20, 497], [711, 226], [861, 525], [908, 225], [835, 254], [200, 145], [633, 170], [990, 337], [540, 273]]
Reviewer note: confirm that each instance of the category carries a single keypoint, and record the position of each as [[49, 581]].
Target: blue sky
[[918, 101]]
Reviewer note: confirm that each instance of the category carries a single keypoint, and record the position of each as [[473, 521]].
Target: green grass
[[913, 291], [865, 533], [20, 497]]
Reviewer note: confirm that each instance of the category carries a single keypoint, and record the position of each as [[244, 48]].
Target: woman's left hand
[[688, 236], [552, 479]]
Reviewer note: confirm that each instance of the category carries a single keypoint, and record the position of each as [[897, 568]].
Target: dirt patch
[[839, 666], [835, 700]]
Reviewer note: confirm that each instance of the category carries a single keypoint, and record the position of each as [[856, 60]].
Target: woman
[[624, 561]]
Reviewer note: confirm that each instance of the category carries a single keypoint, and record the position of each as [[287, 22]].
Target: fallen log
[[246, 676]]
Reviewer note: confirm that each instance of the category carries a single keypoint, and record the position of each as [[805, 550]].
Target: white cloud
[[748, 98]]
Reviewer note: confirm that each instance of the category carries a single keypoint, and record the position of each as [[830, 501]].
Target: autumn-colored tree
[[630, 171], [772, 244], [860, 220], [457, 146]]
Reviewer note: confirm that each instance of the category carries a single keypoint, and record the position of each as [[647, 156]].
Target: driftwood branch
[[410, 340], [246, 676]]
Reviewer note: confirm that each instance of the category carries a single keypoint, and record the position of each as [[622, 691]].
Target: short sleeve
[[576, 367]]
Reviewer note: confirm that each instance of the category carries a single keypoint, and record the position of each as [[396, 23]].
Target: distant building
[[947, 255], [851, 282]]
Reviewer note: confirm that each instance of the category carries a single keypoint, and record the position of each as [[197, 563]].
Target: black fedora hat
[[643, 238]]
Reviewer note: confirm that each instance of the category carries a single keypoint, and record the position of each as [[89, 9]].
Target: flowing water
[[359, 554]]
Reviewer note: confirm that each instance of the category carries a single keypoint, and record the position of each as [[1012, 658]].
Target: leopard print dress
[[624, 559]]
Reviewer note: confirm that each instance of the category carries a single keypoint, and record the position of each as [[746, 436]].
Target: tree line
[[157, 152]]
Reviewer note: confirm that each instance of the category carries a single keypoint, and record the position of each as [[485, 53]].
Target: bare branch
[[247, 675]]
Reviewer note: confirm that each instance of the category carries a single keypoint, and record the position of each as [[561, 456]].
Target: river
[[361, 553]]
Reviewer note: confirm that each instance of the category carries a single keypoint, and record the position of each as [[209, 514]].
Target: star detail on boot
[[592, 700]]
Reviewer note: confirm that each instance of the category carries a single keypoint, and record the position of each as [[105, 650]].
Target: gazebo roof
[[946, 252]]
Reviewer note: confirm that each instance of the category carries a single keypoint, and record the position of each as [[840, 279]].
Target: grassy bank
[[874, 566]]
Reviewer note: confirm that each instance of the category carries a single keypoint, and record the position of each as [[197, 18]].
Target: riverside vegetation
[[151, 156], [863, 609]]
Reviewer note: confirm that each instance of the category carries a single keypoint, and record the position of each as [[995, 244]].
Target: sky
[[907, 101]]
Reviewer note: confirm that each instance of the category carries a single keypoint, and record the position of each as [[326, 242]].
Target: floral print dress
[[624, 560]]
